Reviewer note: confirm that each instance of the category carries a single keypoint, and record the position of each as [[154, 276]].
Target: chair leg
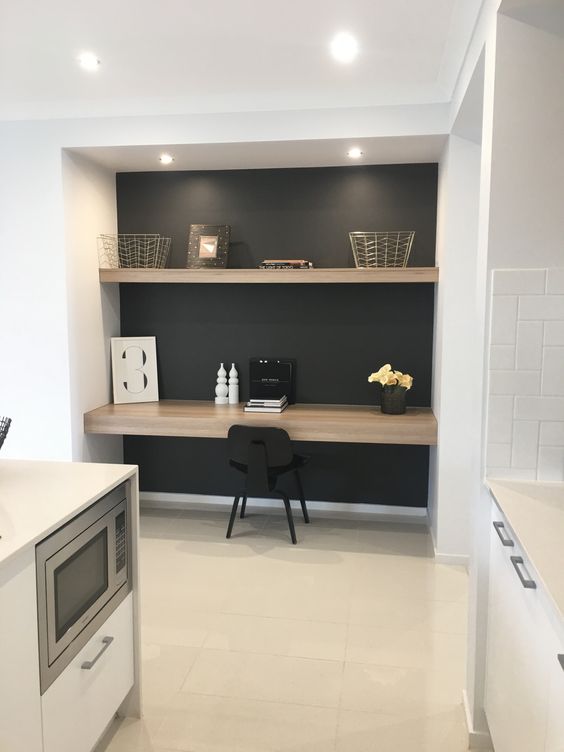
[[289, 516], [301, 495], [232, 518], [243, 506]]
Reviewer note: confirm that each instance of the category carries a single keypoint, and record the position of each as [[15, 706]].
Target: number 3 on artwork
[[135, 359], [134, 369]]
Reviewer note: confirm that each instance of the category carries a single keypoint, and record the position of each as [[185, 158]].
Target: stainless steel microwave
[[83, 574]]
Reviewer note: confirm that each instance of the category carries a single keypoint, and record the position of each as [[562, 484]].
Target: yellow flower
[[404, 379], [378, 374], [386, 377]]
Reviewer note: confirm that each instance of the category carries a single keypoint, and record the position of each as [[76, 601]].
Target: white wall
[[456, 396], [480, 504], [527, 217], [93, 310], [34, 371]]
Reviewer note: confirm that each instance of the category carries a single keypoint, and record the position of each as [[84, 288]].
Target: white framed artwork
[[134, 369]]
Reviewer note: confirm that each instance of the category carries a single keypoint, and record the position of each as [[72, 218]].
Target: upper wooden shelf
[[272, 276], [360, 424]]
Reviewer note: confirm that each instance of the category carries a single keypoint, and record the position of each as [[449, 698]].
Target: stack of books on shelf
[[266, 405], [285, 264]]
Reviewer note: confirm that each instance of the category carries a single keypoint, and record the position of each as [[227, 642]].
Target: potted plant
[[394, 387]]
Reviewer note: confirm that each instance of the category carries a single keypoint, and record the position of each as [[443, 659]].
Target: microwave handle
[[89, 664]]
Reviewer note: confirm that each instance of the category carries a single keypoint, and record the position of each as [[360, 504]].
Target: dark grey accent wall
[[377, 474], [337, 333], [297, 213]]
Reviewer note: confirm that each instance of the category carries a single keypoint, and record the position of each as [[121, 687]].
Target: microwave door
[[77, 583]]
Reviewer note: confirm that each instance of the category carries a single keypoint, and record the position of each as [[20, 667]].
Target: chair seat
[[298, 460], [262, 455]]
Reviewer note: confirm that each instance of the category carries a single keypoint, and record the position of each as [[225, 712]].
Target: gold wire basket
[[381, 249], [133, 251]]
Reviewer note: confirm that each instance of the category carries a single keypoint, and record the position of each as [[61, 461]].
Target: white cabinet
[[555, 723], [20, 707], [523, 677], [80, 704]]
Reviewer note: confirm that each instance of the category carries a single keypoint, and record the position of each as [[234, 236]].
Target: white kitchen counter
[[36, 498], [535, 512]]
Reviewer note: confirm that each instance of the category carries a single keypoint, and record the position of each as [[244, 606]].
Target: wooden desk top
[[360, 424]]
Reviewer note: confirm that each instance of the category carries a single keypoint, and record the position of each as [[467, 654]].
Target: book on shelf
[[272, 378], [285, 264], [267, 402], [265, 408]]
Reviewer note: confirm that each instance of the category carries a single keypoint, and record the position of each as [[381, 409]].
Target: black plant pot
[[393, 400]]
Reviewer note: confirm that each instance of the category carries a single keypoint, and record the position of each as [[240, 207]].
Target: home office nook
[[336, 329]]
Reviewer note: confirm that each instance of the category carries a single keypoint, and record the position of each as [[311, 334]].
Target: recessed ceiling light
[[355, 153], [88, 61], [166, 159], [344, 47]]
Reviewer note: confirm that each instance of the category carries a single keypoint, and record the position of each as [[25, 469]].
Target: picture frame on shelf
[[134, 369], [208, 246]]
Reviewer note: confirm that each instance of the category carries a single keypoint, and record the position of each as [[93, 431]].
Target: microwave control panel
[[121, 542]]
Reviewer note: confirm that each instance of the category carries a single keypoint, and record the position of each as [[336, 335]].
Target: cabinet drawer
[[79, 705], [555, 723], [516, 672], [524, 698]]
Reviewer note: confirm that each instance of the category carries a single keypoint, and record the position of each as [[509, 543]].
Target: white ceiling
[[173, 56], [265, 154]]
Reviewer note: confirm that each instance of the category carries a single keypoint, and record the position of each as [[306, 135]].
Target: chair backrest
[[276, 443]]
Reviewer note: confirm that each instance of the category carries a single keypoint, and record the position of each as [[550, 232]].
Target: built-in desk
[[360, 424]]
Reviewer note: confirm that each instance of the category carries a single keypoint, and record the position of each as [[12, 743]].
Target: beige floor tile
[[368, 732], [174, 623], [389, 577], [246, 639], [299, 638], [164, 669], [182, 597], [168, 571], [301, 681], [213, 527], [157, 524], [406, 648], [321, 534], [408, 613], [291, 600], [129, 735], [197, 723], [395, 539], [400, 691]]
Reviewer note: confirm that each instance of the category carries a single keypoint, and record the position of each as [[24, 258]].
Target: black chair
[[263, 455]]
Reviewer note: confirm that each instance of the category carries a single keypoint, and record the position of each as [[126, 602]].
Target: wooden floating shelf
[[411, 274], [360, 424]]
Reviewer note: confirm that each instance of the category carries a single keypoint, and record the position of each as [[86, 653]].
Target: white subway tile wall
[[526, 375]]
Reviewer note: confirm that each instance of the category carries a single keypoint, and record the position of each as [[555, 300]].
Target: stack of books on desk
[[285, 264], [266, 405]]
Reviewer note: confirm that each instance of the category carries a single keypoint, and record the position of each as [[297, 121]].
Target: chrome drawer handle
[[518, 562], [499, 526], [107, 642], [561, 660]]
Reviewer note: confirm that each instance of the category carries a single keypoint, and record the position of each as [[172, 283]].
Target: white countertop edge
[[110, 475], [534, 540]]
